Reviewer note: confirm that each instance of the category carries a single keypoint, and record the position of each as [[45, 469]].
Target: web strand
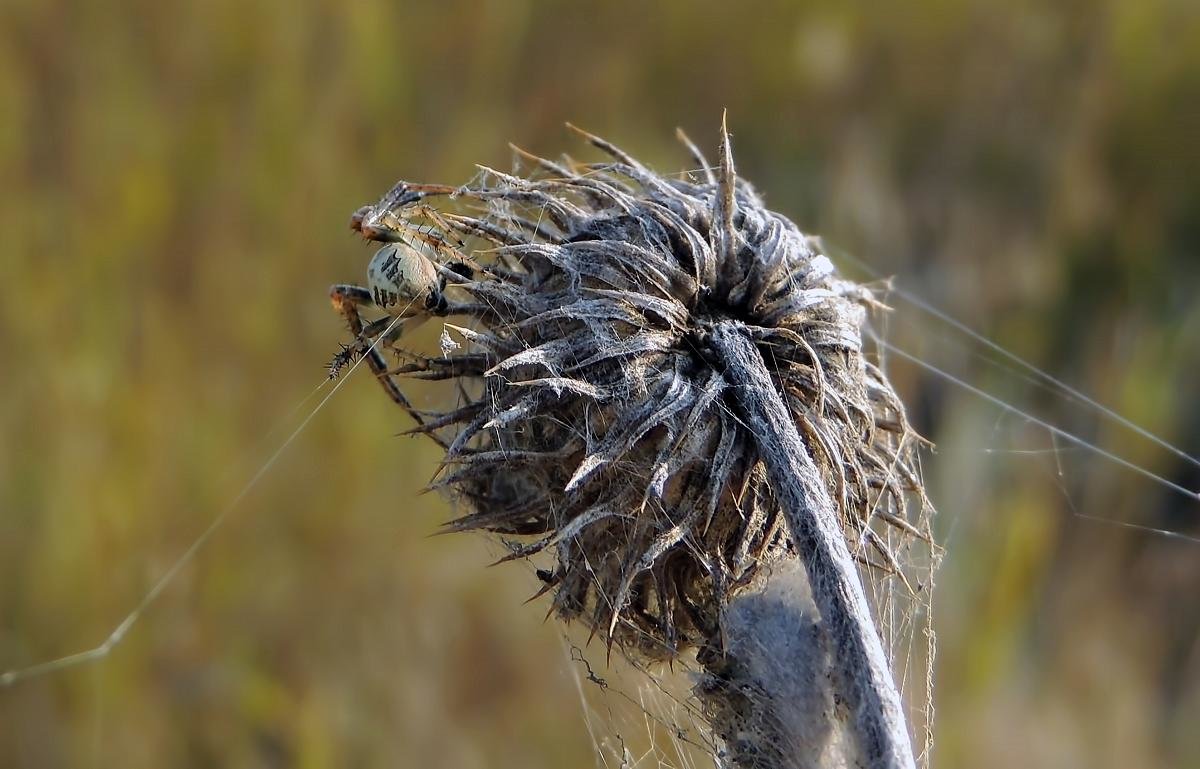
[[114, 638], [1064, 390], [1140, 527], [1057, 431]]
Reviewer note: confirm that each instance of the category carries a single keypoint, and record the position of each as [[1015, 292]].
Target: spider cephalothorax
[[592, 422]]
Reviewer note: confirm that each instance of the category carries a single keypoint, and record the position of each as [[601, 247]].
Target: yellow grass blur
[[175, 186]]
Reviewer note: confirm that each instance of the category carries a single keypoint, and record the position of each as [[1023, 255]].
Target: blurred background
[[177, 181]]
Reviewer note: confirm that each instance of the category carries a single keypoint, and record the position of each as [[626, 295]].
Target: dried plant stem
[[615, 322], [858, 655]]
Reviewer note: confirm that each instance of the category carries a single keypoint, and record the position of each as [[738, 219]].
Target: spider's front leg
[[441, 238], [377, 334], [346, 300]]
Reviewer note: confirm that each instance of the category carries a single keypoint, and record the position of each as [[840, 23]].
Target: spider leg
[[444, 228], [348, 293], [376, 329], [346, 300], [389, 326], [441, 237]]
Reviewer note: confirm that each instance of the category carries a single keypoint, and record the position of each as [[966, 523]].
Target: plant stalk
[[876, 715]]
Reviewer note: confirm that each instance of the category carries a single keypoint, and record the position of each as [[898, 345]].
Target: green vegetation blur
[[175, 186]]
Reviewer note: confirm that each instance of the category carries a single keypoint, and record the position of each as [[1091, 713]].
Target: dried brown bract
[[593, 422]]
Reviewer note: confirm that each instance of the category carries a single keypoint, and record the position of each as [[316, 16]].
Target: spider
[[404, 278]]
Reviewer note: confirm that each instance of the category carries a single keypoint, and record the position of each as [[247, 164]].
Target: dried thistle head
[[592, 423]]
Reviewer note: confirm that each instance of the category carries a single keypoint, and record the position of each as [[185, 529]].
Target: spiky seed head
[[592, 424]]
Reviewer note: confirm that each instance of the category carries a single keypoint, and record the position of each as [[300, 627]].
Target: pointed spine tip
[[726, 202]]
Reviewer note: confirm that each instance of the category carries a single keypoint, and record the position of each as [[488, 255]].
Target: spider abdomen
[[402, 276]]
